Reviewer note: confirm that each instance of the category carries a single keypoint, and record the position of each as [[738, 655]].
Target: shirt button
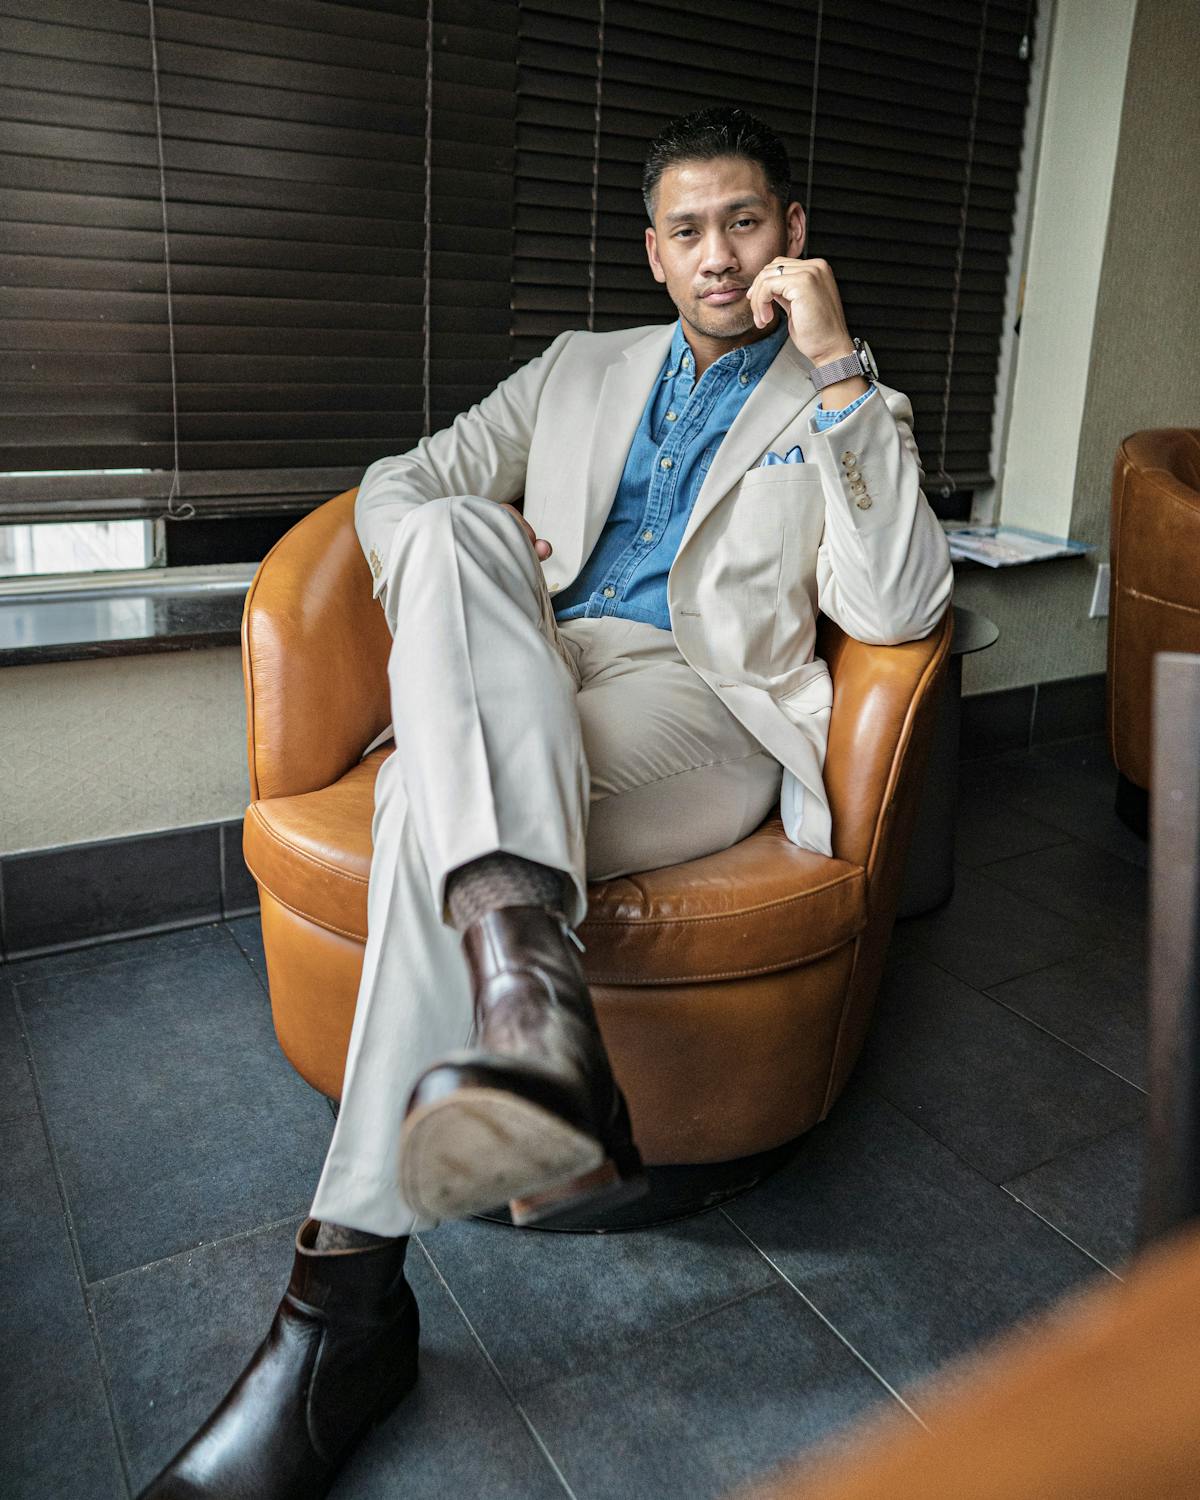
[[608, 593], [553, 587], [665, 463], [671, 415], [743, 380], [864, 503], [853, 474], [849, 459], [647, 536]]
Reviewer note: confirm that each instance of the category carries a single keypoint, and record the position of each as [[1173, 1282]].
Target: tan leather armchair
[[733, 991], [1154, 598]]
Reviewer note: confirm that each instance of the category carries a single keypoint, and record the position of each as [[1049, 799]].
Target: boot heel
[[603, 1187]]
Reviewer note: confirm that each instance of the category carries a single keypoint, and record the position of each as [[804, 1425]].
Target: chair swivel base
[[673, 1193]]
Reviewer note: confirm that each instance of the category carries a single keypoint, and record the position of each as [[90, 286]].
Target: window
[[246, 253]]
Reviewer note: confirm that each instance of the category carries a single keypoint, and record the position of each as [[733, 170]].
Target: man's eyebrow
[[727, 208]]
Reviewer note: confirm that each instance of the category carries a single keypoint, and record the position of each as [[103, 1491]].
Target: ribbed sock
[[501, 879], [339, 1237]]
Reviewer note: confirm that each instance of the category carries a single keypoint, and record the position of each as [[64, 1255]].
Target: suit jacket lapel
[[623, 395], [777, 401]]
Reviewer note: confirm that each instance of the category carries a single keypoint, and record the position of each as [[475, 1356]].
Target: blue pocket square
[[794, 456]]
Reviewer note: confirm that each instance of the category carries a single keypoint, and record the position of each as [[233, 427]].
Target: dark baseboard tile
[[68, 897], [1041, 712], [53, 899]]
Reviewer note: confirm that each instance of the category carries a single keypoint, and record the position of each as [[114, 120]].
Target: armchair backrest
[[315, 647]]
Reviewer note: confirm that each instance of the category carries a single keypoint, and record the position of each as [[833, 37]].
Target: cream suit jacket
[[848, 532]]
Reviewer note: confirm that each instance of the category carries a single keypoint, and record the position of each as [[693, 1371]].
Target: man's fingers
[[535, 541], [769, 286]]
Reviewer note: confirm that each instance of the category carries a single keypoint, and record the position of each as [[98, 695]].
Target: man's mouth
[[721, 296]]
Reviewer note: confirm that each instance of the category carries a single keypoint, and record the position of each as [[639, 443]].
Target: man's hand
[[809, 297], [542, 548]]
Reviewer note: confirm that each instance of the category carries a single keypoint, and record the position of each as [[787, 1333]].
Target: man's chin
[[733, 322]]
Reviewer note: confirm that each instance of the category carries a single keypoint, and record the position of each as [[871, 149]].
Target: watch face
[[868, 358]]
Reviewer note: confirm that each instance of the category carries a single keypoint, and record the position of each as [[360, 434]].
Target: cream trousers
[[592, 747]]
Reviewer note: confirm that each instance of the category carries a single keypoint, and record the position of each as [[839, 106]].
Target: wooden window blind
[[904, 125], [246, 251]]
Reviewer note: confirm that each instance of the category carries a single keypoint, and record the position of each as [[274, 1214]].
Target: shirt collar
[[750, 359]]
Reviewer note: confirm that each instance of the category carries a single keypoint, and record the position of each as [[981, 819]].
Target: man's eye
[[750, 222], [682, 233]]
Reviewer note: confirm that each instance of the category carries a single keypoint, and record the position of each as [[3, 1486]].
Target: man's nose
[[718, 257]]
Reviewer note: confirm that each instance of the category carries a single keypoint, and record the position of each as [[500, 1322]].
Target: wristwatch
[[861, 362]]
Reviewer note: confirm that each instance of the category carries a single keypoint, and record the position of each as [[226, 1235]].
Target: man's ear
[[797, 228], [652, 256]]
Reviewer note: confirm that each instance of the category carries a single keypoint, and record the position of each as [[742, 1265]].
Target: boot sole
[[478, 1148]]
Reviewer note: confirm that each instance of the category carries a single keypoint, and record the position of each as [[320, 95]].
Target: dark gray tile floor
[[157, 1154]]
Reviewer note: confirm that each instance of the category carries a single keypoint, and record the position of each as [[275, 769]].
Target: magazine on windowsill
[[1007, 546]]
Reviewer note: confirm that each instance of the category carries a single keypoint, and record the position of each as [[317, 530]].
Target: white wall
[[1083, 381], [1085, 85]]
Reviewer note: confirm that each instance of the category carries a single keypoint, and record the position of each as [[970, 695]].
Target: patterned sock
[[339, 1237], [501, 879]]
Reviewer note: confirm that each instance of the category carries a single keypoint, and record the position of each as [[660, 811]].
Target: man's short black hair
[[719, 131]]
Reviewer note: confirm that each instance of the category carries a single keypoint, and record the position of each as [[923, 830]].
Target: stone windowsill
[[76, 617]]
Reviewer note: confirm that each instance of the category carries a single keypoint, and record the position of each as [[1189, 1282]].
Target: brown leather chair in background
[[733, 991], [1154, 598]]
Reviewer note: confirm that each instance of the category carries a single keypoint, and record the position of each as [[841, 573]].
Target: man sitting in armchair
[[635, 688]]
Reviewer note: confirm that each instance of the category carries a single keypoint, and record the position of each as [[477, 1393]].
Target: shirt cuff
[[824, 419]]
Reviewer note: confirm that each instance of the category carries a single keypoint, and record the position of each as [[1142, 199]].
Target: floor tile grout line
[[495, 1369], [983, 1177], [1083, 1250], [1083, 1145], [76, 1256], [837, 1333], [245, 957], [1079, 1052], [227, 1239], [111, 939], [986, 994], [103, 943], [619, 1351], [1070, 835]]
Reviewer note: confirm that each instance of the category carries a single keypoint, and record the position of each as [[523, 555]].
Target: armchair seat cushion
[[761, 906]]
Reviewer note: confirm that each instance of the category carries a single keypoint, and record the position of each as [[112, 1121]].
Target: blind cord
[[427, 293], [597, 110], [186, 510], [812, 119], [945, 480]]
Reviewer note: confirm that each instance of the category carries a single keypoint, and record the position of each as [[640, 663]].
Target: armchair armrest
[[884, 701], [315, 646]]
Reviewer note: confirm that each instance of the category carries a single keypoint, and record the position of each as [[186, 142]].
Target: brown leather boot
[[340, 1354], [531, 1114]]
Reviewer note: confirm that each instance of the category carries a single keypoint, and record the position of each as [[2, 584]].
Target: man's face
[[716, 225]]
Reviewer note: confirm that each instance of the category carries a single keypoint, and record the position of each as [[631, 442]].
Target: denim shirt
[[681, 428]]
